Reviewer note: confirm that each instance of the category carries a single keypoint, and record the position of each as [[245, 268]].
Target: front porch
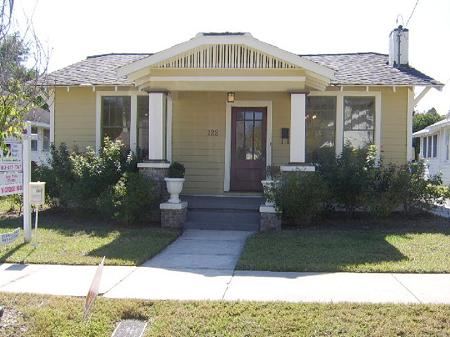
[[204, 133]]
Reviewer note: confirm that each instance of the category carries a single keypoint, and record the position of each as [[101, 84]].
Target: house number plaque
[[213, 132]]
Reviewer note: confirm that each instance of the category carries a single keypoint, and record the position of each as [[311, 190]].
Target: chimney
[[398, 46]]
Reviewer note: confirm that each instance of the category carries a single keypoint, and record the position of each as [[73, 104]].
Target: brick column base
[[173, 215], [158, 175], [270, 219]]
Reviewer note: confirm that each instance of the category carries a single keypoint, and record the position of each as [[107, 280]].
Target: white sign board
[[11, 168], [8, 238], [37, 193]]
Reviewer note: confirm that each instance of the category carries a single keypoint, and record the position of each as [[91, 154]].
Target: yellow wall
[[196, 112], [75, 117], [394, 111]]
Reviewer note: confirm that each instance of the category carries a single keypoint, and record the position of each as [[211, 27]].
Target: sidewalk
[[200, 266]]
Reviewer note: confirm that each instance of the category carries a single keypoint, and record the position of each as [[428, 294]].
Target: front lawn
[[65, 238], [396, 244], [36, 316]]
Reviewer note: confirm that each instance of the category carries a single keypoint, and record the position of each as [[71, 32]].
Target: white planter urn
[[267, 185], [174, 187]]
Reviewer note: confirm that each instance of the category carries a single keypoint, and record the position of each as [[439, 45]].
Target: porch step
[[223, 213]]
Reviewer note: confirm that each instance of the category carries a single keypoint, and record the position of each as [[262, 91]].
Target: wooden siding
[[75, 118]]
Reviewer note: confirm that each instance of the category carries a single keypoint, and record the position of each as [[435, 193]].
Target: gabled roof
[[350, 69], [227, 38]]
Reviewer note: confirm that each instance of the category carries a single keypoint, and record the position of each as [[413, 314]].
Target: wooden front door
[[248, 148]]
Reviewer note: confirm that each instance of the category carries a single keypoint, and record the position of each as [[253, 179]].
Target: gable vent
[[224, 56]]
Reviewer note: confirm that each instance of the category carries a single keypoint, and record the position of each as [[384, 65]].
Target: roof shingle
[[350, 68]]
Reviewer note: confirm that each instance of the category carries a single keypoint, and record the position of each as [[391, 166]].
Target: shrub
[[93, 173], [416, 191], [58, 175], [272, 172], [300, 196], [384, 190], [347, 175], [134, 197], [176, 170]]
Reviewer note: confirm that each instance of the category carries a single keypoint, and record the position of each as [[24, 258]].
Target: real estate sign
[[11, 168]]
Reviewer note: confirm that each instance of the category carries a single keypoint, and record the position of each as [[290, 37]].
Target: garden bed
[[364, 244]]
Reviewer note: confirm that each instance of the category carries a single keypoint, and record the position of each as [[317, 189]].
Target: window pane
[[34, 145], [359, 121], [116, 111], [320, 125], [34, 130], [435, 145], [429, 147], [46, 140], [248, 140], [257, 140], [424, 147], [142, 129], [240, 140]]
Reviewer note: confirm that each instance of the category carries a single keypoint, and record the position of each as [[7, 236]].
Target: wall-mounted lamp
[[230, 97]]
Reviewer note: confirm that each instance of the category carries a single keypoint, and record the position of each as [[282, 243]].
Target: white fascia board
[[233, 39], [227, 78]]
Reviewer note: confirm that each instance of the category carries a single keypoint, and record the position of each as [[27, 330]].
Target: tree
[[421, 121], [23, 65]]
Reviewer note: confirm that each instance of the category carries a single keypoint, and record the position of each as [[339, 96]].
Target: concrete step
[[223, 213], [221, 227], [223, 216], [223, 203]]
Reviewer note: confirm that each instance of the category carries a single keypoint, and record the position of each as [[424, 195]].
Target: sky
[[74, 29]]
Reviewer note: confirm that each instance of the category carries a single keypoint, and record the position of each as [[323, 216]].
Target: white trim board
[[226, 78], [256, 104]]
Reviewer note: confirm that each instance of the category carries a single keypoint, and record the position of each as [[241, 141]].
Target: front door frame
[[245, 104]]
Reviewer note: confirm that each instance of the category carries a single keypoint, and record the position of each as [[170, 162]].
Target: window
[[424, 147], [435, 145], [320, 125], [116, 111], [447, 144], [359, 121], [430, 146], [142, 127], [45, 140], [34, 142]]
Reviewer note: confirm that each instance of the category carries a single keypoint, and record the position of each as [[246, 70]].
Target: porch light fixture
[[230, 97]]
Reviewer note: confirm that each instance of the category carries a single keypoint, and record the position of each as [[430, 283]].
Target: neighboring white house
[[40, 125], [435, 148]]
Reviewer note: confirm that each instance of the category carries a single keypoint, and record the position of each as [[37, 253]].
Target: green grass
[[76, 239], [36, 316], [420, 245]]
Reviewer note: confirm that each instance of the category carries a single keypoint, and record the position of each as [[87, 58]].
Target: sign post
[[26, 183]]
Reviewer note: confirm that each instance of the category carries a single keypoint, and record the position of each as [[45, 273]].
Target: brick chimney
[[398, 46]]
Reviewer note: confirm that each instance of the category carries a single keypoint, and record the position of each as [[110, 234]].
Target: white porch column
[[297, 142], [157, 126]]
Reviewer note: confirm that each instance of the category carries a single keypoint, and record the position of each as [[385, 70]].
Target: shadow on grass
[[131, 245]]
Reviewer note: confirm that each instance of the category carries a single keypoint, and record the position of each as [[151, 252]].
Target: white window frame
[[133, 116], [339, 145]]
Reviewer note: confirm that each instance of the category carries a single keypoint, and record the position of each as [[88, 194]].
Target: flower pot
[[268, 186], [174, 187]]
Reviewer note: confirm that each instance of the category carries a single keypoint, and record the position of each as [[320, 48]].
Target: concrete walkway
[[200, 266]]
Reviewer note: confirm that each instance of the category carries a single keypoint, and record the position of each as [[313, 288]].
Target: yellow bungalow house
[[227, 105]]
